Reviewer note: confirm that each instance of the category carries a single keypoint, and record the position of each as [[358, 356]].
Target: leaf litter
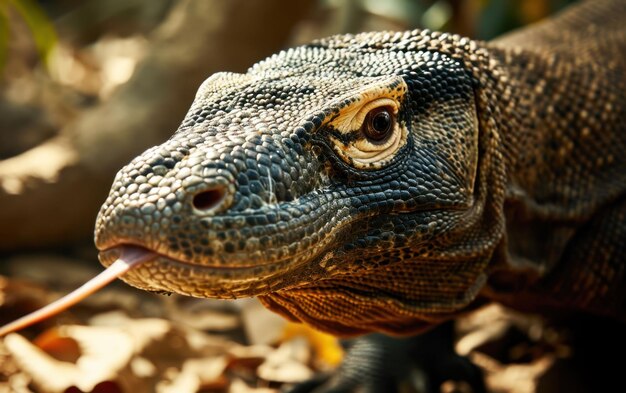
[[176, 344]]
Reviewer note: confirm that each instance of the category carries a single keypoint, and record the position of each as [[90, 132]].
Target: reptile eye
[[378, 124]]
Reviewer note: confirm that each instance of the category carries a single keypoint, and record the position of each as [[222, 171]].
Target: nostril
[[209, 199]]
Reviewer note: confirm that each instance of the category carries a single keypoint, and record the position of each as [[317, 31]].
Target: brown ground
[[122, 340]]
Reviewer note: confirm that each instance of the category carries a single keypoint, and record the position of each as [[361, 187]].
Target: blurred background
[[85, 85]]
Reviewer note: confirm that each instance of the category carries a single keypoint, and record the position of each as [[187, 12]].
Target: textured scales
[[503, 177]]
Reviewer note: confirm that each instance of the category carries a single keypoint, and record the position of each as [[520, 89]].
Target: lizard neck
[[559, 119]]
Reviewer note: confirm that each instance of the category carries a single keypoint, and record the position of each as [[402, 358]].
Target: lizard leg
[[378, 363], [591, 276]]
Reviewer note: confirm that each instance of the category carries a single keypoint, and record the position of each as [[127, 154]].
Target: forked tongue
[[130, 258]]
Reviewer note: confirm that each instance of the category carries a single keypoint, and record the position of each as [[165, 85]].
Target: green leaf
[[4, 34], [39, 24]]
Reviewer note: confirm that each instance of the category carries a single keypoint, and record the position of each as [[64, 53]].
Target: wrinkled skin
[[253, 195], [502, 173]]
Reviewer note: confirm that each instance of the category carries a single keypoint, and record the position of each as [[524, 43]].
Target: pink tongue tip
[[130, 258]]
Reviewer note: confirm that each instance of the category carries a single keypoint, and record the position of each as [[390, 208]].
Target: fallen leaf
[[65, 349], [201, 314], [239, 386], [194, 374], [261, 325], [97, 363], [512, 378], [288, 363], [328, 352]]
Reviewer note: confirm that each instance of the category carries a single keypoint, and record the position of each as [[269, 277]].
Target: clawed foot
[[377, 363]]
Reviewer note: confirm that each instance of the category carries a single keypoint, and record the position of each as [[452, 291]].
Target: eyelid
[[353, 107], [365, 145], [353, 121], [364, 154], [358, 119]]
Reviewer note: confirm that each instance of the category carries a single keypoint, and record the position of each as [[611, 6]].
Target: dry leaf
[[512, 378], [328, 351], [261, 325], [239, 386], [61, 348], [195, 374], [288, 362], [142, 331], [17, 383], [200, 314], [104, 354]]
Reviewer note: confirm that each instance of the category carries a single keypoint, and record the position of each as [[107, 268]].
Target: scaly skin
[[503, 176]]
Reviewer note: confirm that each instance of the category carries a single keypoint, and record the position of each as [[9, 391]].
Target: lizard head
[[337, 181]]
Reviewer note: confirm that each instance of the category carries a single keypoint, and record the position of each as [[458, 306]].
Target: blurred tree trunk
[[50, 194]]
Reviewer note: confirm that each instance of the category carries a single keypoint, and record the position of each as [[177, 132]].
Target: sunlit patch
[[352, 141]]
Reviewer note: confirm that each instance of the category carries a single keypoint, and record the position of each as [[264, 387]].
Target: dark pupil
[[381, 122]]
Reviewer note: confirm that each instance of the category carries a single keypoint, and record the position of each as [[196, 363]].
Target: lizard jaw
[[166, 274]]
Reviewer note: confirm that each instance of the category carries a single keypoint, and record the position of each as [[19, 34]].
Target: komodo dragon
[[387, 182]]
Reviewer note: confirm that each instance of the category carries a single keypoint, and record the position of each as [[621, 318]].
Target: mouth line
[[191, 265], [217, 281]]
